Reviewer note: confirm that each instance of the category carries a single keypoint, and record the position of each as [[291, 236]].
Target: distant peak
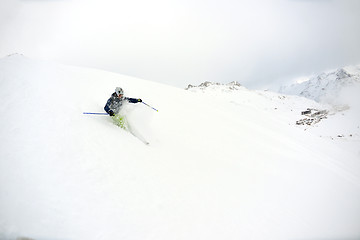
[[234, 83], [326, 87], [230, 86], [15, 55], [342, 73]]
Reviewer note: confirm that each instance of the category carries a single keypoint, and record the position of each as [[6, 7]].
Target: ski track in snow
[[220, 164]]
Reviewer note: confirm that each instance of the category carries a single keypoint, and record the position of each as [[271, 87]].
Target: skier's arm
[[107, 106], [133, 100]]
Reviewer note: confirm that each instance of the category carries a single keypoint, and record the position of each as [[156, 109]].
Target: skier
[[115, 102], [113, 107]]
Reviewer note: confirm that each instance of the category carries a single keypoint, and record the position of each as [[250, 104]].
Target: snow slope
[[220, 164]]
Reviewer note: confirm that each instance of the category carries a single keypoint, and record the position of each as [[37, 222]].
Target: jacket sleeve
[[132, 100], [107, 106]]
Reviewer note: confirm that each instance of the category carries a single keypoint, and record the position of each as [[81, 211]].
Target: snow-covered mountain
[[340, 91], [222, 163], [330, 87]]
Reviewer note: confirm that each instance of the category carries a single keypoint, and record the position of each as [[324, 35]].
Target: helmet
[[119, 91]]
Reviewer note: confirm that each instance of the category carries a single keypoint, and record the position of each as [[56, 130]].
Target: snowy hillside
[[221, 164]]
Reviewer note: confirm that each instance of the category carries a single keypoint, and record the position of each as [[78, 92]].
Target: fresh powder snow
[[223, 162]]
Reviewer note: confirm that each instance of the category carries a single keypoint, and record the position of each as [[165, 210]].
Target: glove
[[111, 113], [139, 100]]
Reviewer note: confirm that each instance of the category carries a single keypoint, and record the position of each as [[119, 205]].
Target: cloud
[[181, 41], [311, 0], [41, 0]]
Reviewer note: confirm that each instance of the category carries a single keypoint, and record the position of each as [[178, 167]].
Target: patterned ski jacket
[[114, 103]]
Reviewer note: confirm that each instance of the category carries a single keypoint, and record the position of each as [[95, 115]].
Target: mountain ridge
[[326, 87]]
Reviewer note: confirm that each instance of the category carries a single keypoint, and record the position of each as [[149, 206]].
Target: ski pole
[[95, 113], [150, 106]]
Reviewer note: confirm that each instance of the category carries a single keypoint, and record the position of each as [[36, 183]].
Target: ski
[[122, 122], [137, 135]]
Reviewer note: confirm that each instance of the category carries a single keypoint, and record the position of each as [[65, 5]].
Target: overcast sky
[[257, 43]]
